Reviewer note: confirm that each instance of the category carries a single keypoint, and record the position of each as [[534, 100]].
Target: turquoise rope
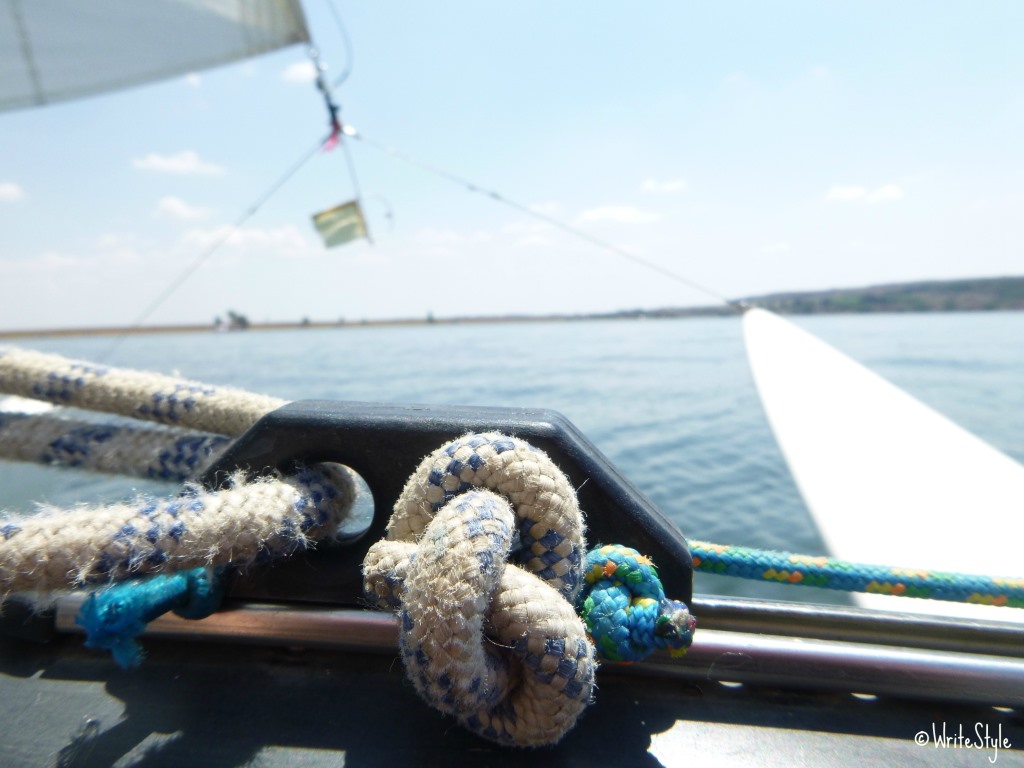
[[830, 573], [115, 617]]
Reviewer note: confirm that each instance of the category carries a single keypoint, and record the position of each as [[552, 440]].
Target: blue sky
[[749, 146]]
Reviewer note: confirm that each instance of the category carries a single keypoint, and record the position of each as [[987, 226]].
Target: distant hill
[[975, 295]]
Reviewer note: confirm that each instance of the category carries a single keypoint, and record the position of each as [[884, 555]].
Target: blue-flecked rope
[[244, 523], [832, 573], [135, 394], [156, 453]]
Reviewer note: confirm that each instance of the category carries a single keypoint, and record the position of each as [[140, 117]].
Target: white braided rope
[[162, 453], [242, 524], [147, 396], [495, 645]]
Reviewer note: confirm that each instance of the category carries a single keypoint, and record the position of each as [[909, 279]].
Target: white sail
[[52, 50], [888, 480]]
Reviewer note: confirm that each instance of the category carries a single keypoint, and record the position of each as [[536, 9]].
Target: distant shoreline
[[281, 326], [974, 295]]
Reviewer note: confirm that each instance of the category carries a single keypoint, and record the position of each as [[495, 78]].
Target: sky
[[751, 147]]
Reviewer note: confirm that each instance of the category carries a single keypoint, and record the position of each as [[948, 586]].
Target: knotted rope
[[497, 645], [625, 609]]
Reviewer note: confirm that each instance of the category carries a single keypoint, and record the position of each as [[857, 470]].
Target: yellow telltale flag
[[341, 224]]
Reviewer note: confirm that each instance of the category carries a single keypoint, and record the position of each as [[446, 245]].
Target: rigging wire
[[735, 304], [338, 131], [355, 183], [186, 273], [347, 41]]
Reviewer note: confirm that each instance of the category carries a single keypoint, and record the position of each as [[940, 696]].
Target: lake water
[[670, 402]]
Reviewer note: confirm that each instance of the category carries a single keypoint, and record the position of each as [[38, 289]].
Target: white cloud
[[547, 208], [887, 193], [738, 80], [623, 214], [665, 187], [10, 192], [185, 162], [845, 194], [527, 234], [821, 74], [119, 249], [299, 72], [450, 243], [58, 260], [175, 208], [194, 79], [284, 241], [776, 249]]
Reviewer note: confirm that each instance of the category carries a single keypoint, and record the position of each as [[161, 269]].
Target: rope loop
[[625, 609], [496, 645]]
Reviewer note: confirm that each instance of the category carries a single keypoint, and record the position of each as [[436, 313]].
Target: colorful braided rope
[[625, 609], [830, 573]]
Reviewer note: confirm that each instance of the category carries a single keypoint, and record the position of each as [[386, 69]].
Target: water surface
[[670, 402]]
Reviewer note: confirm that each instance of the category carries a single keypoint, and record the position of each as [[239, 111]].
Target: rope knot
[[497, 645], [625, 609]]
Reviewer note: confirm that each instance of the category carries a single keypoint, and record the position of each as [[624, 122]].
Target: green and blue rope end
[[624, 607], [115, 617]]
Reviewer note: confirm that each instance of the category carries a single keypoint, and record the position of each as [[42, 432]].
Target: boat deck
[[208, 704]]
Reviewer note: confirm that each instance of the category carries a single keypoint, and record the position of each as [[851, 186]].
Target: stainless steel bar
[[794, 662], [826, 622], [267, 624], [716, 655]]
